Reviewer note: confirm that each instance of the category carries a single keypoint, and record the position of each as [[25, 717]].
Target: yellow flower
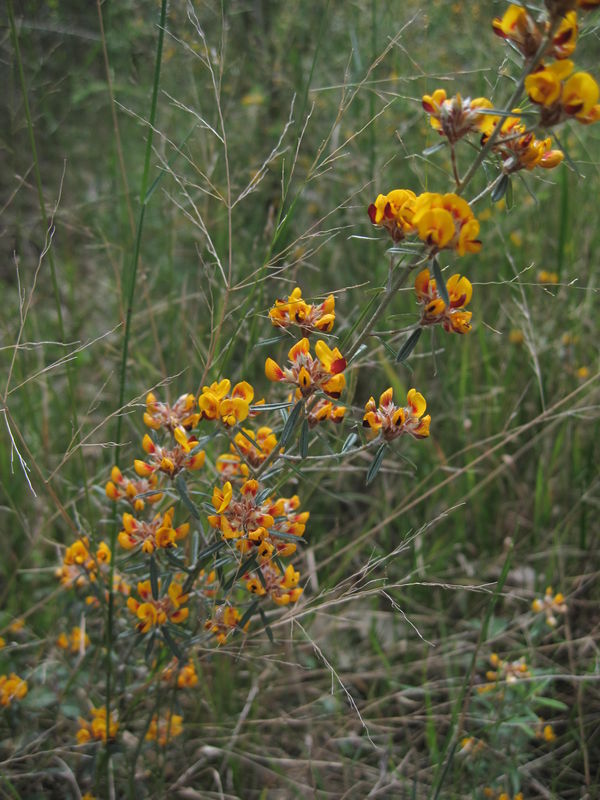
[[11, 688], [163, 729], [152, 613], [547, 277], [310, 374], [393, 211], [309, 317], [158, 533], [221, 498], [565, 38], [519, 28], [551, 605], [435, 310], [544, 85], [96, 728], [76, 642], [215, 402], [580, 95], [393, 420]]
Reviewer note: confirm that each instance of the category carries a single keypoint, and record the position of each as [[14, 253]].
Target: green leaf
[[409, 345], [550, 702], [288, 537], [350, 439], [209, 551], [271, 340], [433, 149], [182, 490], [304, 439], [248, 613], [150, 647], [376, 463], [290, 423], [269, 406], [440, 282], [153, 577], [172, 644], [266, 625], [360, 350], [500, 188], [175, 561]]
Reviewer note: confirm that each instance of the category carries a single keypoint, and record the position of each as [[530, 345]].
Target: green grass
[[371, 682]]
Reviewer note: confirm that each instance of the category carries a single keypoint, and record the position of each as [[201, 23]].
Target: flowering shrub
[[208, 531]]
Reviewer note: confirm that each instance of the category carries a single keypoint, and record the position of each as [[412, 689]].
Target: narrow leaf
[[271, 340], [182, 490], [351, 438], [360, 350], [440, 282], [376, 463], [287, 537], [150, 647], [500, 188], [172, 645], [154, 577], [214, 548], [177, 562], [266, 624], [433, 149], [248, 613], [290, 423], [409, 345]]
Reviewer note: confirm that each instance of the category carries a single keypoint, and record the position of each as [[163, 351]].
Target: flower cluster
[[172, 459], [248, 450], [77, 641], [551, 604], [562, 93], [158, 532], [519, 148], [435, 311], [79, 565], [392, 421], [441, 221], [184, 676], [219, 402], [455, 117], [163, 729], [295, 311], [96, 728], [519, 28], [281, 586], [309, 374], [552, 85], [226, 619], [156, 611], [11, 688], [508, 671], [255, 523], [182, 413], [136, 492]]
